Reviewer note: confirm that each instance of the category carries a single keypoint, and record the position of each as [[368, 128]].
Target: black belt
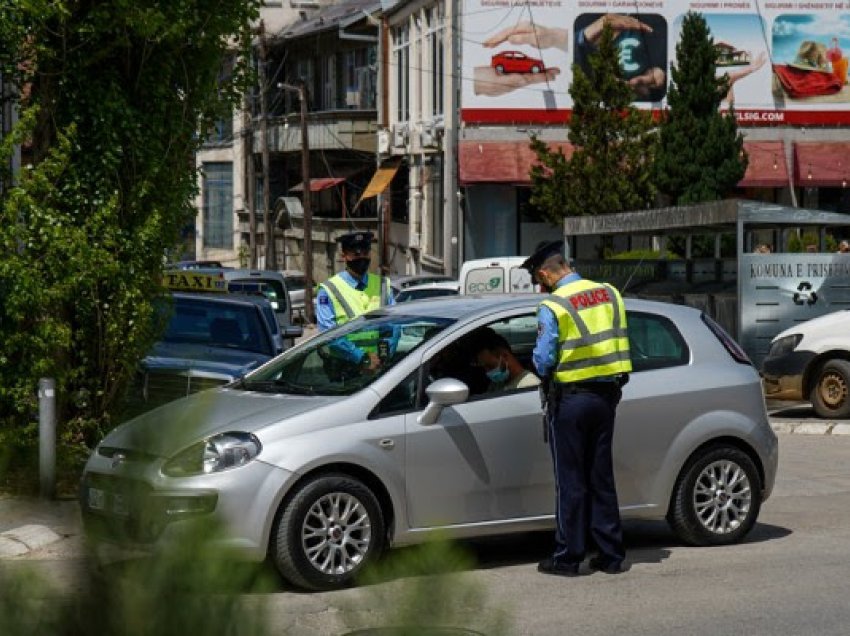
[[588, 386]]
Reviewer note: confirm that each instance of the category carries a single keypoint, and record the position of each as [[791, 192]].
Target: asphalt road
[[790, 576]]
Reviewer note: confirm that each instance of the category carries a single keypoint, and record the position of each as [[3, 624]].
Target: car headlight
[[214, 454], [785, 345]]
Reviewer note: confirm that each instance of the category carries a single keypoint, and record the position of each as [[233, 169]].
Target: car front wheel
[[327, 533], [717, 497], [500, 69], [535, 69], [829, 395]]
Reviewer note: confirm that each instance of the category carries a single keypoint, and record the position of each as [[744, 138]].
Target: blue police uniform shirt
[[326, 317], [545, 355]]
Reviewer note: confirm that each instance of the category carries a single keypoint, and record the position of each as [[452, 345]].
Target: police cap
[[544, 250], [354, 240]]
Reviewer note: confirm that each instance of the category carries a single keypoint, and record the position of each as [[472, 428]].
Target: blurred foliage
[[114, 100], [645, 254], [802, 242], [422, 590]]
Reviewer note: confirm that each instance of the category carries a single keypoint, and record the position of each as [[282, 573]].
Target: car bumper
[[782, 376], [140, 509]]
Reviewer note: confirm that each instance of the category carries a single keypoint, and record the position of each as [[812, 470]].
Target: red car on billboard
[[516, 62]]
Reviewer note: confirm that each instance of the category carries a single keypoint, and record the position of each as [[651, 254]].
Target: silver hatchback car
[[319, 465]]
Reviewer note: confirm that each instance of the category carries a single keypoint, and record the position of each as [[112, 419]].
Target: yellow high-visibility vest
[[592, 337], [348, 303]]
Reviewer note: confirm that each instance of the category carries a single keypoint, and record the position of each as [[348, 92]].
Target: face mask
[[359, 265], [498, 375]]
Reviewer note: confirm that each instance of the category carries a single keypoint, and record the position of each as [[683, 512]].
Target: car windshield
[[333, 362], [271, 289], [217, 324]]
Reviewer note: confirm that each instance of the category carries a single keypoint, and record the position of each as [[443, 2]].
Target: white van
[[497, 275]]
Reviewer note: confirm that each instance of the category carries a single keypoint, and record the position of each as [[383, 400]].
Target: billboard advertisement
[[787, 60]]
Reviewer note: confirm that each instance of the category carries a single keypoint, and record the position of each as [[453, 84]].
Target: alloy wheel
[[337, 533], [722, 496]]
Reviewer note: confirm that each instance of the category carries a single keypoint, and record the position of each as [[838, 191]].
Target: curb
[[24, 539], [809, 428]]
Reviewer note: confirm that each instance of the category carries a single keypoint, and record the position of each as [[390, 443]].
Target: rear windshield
[[219, 325], [273, 290]]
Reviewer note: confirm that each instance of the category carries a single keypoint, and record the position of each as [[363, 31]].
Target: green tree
[[700, 155], [116, 99], [610, 168]]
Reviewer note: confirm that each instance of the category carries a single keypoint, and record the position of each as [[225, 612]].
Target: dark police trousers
[[581, 430]]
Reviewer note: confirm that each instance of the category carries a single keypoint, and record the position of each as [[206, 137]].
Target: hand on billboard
[[530, 34], [741, 73], [648, 81], [618, 23], [486, 81]]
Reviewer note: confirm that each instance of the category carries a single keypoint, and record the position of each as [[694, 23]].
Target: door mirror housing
[[442, 393]]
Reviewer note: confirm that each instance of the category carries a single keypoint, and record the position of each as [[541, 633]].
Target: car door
[[664, 393], [484, 460]]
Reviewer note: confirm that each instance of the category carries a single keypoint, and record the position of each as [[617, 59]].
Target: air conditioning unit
[[429, 135], [383, 141], [400, 136]]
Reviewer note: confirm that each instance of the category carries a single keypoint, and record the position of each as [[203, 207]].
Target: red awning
[[499, 161], [822, 164], [766, 167], [321, 183]]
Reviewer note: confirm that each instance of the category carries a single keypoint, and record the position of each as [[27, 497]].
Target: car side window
[[459, 359], [655, 342], [403, 398]]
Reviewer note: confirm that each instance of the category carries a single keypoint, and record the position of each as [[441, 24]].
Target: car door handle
[[387, 444]]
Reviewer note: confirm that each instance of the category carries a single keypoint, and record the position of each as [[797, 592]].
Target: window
[[460, 358], [401, 59], [655, 342], [434, 38], [402, 399], [329, 364], [218, 204]]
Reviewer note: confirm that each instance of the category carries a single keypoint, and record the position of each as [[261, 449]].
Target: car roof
[[477, 305], [440, 284], [225, 298]]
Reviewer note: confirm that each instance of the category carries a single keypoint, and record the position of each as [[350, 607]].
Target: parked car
[[210, 340], [428, 290], [811, 361], [189, 265], [497, 275], [516, 62], [317, 465], [398, 283], [295, 286]]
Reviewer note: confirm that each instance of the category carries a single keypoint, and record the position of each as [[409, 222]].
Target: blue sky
[[790, 30]]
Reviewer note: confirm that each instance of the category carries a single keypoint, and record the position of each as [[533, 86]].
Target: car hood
[[229, 363], [176, 425], [838, 320]]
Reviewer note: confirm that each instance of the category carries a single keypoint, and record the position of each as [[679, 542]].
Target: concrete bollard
[[47, 437]]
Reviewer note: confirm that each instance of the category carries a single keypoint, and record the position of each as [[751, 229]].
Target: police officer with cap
[[350, 293], [582, 351]]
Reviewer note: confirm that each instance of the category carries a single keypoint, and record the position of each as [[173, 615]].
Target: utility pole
[[301, 88], [268, 224], [249, 181]]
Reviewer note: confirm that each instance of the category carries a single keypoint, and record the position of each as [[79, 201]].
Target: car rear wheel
[[535, 69], [717, 497], [500, 69], [327, 533], [829, 395]]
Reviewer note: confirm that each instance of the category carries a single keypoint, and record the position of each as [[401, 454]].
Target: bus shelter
[[759, 291]]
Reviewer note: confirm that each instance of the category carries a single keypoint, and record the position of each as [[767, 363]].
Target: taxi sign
[[194, 281]]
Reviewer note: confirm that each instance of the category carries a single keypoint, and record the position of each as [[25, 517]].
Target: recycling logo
[[805, 295]]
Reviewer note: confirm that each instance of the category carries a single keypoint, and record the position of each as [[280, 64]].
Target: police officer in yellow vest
[[582, 350], [350, 293]]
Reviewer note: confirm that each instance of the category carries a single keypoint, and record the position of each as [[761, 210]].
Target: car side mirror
[[442, 393], [293, 331]]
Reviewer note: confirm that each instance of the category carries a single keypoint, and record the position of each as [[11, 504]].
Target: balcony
[[327, 130]]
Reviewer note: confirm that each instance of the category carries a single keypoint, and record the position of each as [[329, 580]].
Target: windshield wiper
[[274, 386]]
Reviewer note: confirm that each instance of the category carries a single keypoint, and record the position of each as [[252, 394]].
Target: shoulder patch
[[323, 299]]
